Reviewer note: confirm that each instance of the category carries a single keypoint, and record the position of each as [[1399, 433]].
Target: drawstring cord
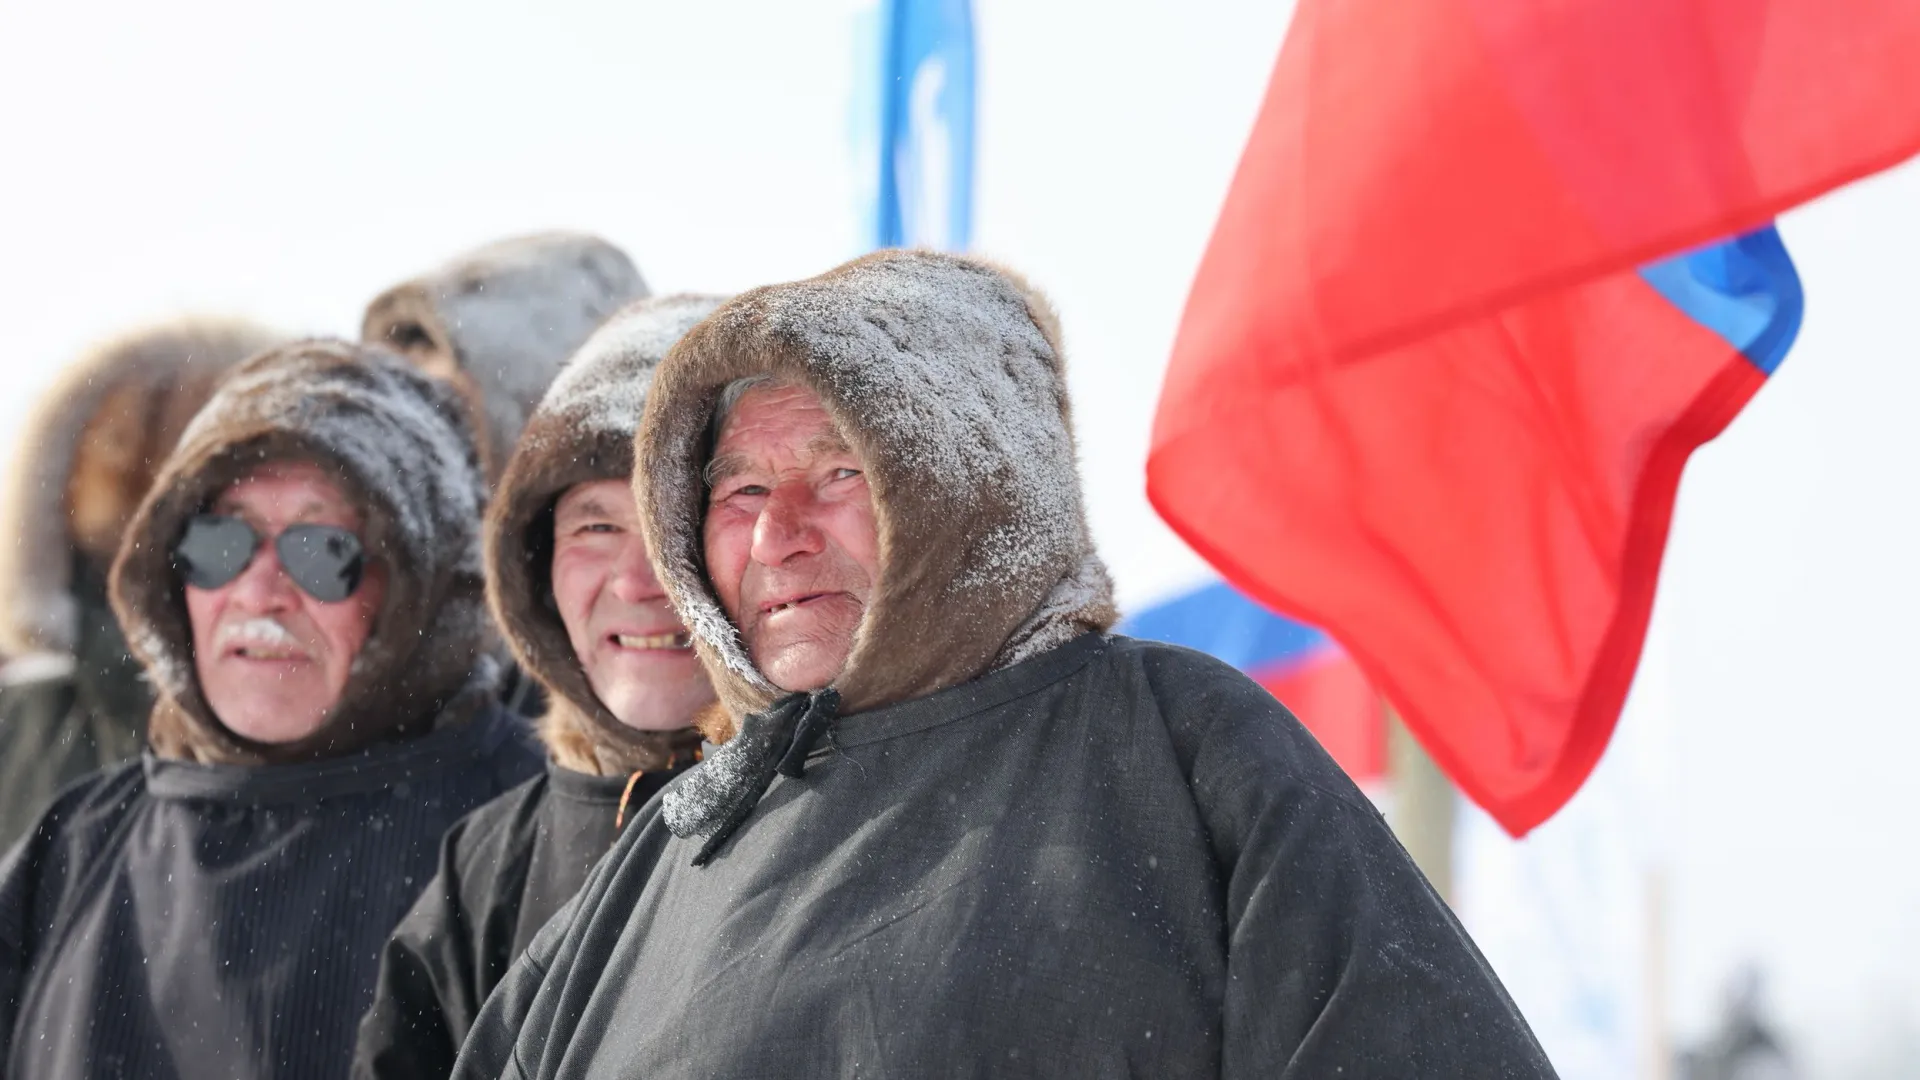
[[814, 723], [620, 818]]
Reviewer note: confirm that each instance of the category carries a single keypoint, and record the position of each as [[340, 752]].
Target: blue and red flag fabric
[[1302, 666], [1488, 273], [925, 197]]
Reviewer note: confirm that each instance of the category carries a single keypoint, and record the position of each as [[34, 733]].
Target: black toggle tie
[[822, 707], [716, 796]]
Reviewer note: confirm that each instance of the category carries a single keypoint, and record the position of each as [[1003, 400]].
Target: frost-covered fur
[[945, 375], [583, 431], [399, 444], [88, 455], [500, 320]]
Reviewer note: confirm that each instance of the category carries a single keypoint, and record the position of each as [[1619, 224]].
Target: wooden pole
[[1656, 1038], [1423, 805]]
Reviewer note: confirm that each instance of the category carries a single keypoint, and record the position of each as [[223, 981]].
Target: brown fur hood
[[87, 457], [945, 375], [399, 444], [497, 322], [582, 431]]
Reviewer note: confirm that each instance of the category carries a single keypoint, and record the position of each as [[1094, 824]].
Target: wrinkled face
[[790, 538], [629, 641], [272, 660]]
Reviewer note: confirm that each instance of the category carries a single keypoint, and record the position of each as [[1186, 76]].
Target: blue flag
[[926, 132]]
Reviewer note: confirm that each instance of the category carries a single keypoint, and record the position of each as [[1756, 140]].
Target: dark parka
[[1015, 845], [507, 867], [217, 908], [71, 694]]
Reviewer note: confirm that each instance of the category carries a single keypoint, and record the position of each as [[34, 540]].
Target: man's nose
[[788, 525], [633, 578], [264, 586]]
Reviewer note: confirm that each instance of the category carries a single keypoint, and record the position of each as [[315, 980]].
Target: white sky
[[287, 163]]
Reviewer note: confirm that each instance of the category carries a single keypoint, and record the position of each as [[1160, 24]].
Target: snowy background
[[288, 162]]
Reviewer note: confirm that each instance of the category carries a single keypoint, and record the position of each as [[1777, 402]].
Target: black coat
[[88, 712], [49, 738], [172, 919], [504, 870], [1116, 859]]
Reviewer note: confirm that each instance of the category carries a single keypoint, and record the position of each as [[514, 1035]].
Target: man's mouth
[[773, 607], [267, 652], [680, 641], [262, 639]]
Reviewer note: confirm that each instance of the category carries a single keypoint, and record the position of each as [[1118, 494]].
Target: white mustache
[[262, 631]]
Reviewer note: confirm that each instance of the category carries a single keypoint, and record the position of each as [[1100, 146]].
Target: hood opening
[[402, 454], [944, 373], [86, 458], [582, 431]]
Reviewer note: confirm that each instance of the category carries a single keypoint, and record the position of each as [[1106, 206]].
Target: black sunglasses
[[326, 561]]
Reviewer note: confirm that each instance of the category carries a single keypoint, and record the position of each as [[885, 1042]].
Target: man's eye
[[748, 489], [845, 474]]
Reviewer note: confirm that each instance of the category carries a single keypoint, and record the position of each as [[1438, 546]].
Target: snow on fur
[[392, 437], [604, 387], [944, 373], [901, 361]]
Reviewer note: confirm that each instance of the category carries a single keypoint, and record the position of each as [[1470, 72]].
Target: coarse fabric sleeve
[[1342, 960], [430, 985]]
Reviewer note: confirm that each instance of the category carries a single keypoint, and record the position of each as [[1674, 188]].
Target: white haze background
[[286, 162]]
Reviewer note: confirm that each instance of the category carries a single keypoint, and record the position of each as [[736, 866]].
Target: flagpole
[[1422, 807]]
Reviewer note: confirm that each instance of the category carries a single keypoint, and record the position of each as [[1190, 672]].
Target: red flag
[[1423, 394]]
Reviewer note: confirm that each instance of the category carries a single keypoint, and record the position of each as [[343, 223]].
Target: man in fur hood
[[304, 587], [71, 696], [497, 322], [960, 828], [573, 590]]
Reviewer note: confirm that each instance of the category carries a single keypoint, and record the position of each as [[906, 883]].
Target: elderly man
[[960, 829], [572, 587], [71, 696], [304, 587]]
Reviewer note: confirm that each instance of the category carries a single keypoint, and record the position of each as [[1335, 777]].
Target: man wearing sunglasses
[[303, 585], [573, 590]]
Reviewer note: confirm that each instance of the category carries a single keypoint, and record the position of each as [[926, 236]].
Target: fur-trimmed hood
[[499, 321], [87, 457], [945, 375], [583, 431], [399, 444]]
